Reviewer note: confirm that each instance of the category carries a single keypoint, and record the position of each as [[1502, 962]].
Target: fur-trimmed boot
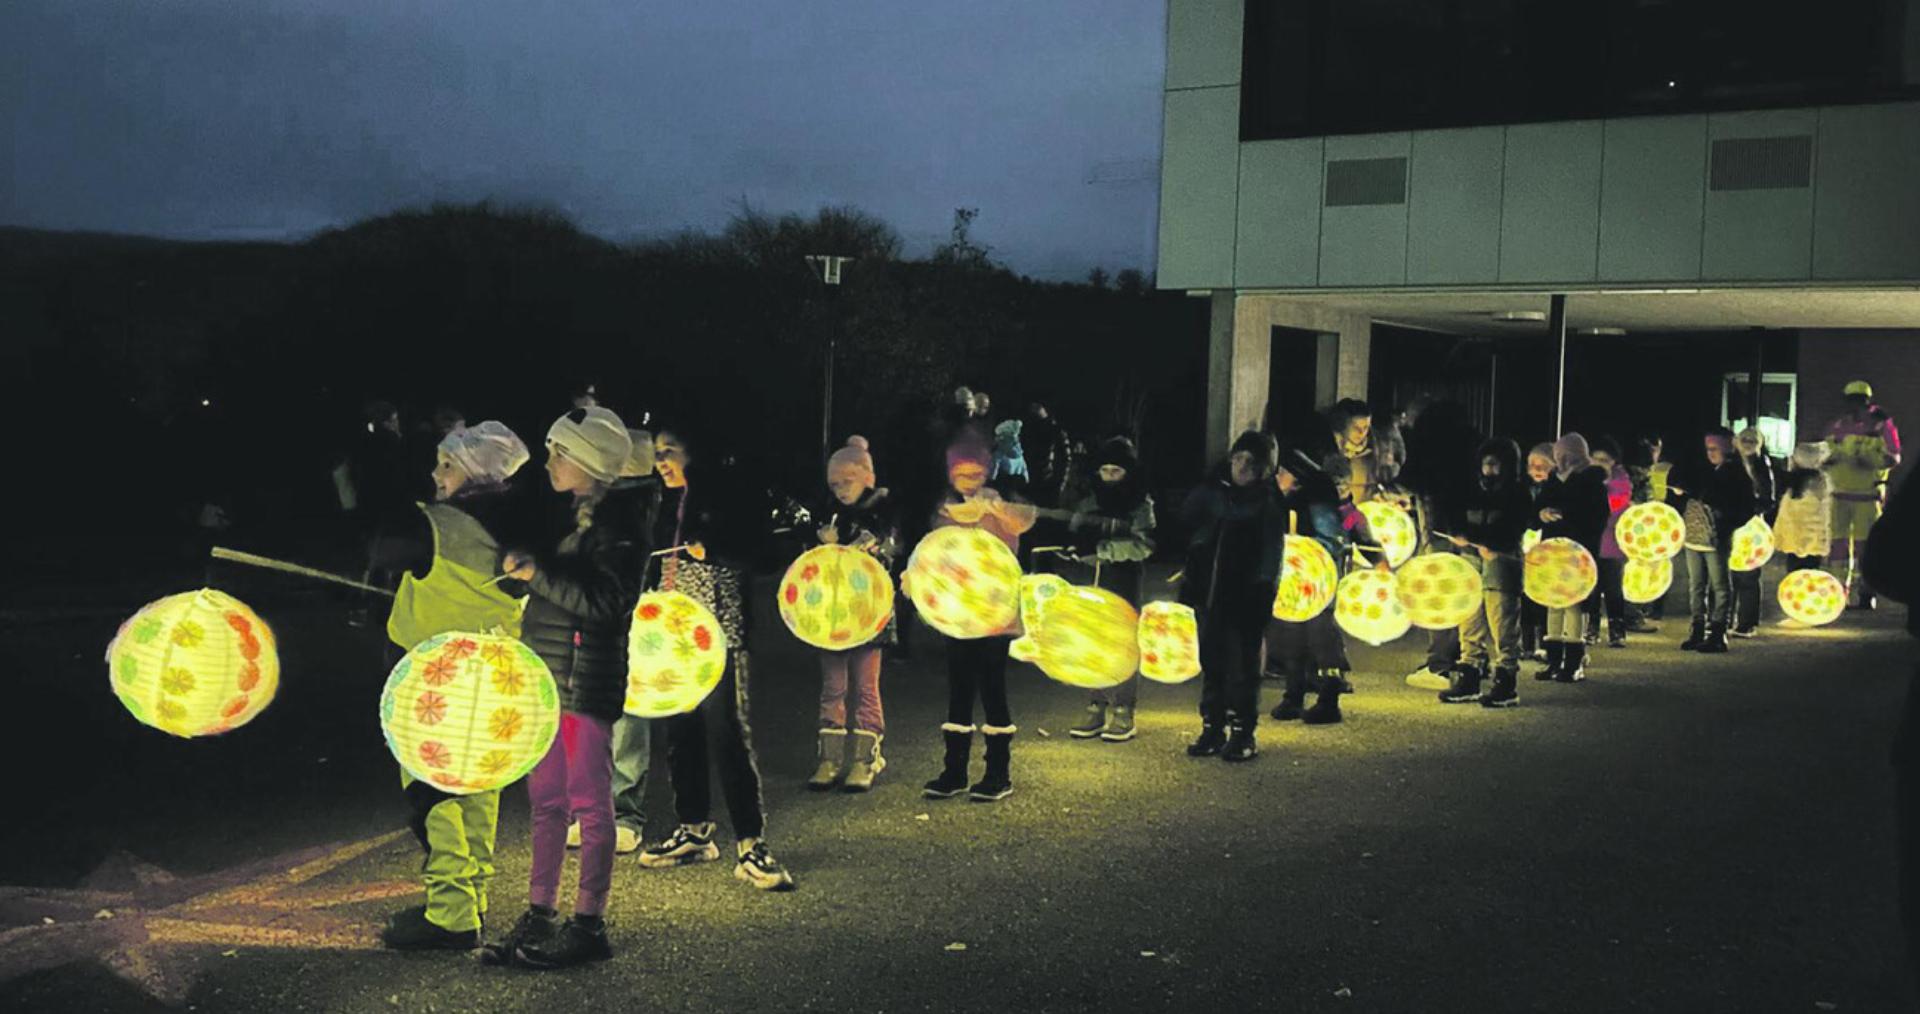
[[953, 772], [997, 783], [833, 752], [867, 762]]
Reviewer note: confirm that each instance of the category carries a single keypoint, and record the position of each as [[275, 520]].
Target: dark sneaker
[[1092, 724], [576, 944], [1505, 692], [689, 843], [1240, 746], [409, 930], [1212, 738], [534, 927], [1465, 688], [1119, 727], [758, 867], [1617, 638], [1289, 707]]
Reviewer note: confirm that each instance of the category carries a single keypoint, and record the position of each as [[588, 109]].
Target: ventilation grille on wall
[[1360, 181], [1762, 163]]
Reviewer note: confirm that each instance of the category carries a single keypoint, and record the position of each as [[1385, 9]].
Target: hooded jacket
[[1717, 501], [1496, 514], [586, 580], [1229, 528], [1578, 490]]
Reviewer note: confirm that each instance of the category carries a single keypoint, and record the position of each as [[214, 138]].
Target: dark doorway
[[1292, 379]]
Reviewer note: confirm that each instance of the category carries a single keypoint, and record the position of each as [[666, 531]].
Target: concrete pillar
[[1355, 358], [1240, 355]]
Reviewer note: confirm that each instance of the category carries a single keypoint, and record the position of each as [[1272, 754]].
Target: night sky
[[274, 118]]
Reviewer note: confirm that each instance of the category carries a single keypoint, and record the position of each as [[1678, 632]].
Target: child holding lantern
[[1113, 537], [1233, 520], [1804, 527], [1573, 505], [1533, 615], [1717, 497], [1488, 526], [1308, 505], [448, 562], [977, 667], [861, 516]]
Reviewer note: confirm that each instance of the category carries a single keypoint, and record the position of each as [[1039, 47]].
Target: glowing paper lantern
[[194, 664], [1088, 638], [1308, 578], [1169, 637], [676, 654], [1036, 590], [1560, 573], [1752, 545], [1529, 539], [469, 712], [1650, 531], [1368, 607], [836, 597], [964, 582], [1814, 597], [1393, 530], [1439, 590], [1643, 581]]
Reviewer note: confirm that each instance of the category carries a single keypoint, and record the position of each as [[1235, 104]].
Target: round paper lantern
[[1308, 578], [469, 712], [1643, 581], [1814, 597], [1169, 642], [1752, 545], [1439, 590], [1529, 539], [1089, 637], [1368, 607], [964, 582], [836, 597], [194, 664], [1036, 590], [1393, 530], [1650, 531], [1560, 573], [676, 654]]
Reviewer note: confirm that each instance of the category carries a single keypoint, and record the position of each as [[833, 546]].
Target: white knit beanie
[[593, 438], [488, 452]]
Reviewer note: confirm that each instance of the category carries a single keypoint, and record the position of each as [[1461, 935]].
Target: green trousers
[[457, 833]]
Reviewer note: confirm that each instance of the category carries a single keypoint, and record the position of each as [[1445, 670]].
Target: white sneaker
[[625, 840], [573, 835], [1424, 678]]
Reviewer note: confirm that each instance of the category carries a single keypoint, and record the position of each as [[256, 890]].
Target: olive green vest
[[456, 593]]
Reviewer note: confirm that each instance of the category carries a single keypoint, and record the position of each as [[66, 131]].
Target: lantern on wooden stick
[[1560, 573], [194, 664], [1439, 590], [1036, 590], [469, 712], [1644, 581], [676, 654], [836, 597], [1368, 607], [1529, 539], [1752, 545], [964, 582], [1814, 597], [1089, 638], [1169, 642], [1650, 531], [1393, 530], [1308, 578]]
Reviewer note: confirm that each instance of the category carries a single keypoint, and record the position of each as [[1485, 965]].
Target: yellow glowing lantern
[[1752, 545], [1036, 590], [1560, 573], [1650, 531], [1368, 607], [836, 597], [1308, 578], [1814, 597], [1169, 639], [1439, 590], [469, 712], [1643, 581], [194, 664], [1529, 539], [1393, 530], [676, 654], [1089, 637], [964, 582]]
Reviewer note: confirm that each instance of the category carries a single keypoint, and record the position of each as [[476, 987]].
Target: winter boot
[[1506, 690], [1715, 643], [1574, 668], [1556, 657], [1616, 633], [833, 747], [1326, 702], [953, 773], [1119, 725], [867, 762], [997, 783], [1292, 702], [1212, 738], [582, 939], [410, 930], [1465, 688], [1240, 745], [1696, 637], [535, 926], [1094, 722]]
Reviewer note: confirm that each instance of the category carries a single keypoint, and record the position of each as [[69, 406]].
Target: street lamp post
[[828, 266]]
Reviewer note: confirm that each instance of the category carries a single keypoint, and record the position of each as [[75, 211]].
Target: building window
[[1777, 420]]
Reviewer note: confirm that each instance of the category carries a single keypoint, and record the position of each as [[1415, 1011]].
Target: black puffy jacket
[[1581, 499], [584, 587]]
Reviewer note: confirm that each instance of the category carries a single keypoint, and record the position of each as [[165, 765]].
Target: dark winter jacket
[[1765, 473], [1716, 502], [874, 516], [1117, 531], [1581, 499], [1892, 565], [1496, 514], [1232, 528], [586, 580]]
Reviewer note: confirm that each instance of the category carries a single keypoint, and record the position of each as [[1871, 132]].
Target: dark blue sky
[[247, 118]]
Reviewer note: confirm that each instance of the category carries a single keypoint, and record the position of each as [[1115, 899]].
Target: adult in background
[[1049, 456], [1865, 447]]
